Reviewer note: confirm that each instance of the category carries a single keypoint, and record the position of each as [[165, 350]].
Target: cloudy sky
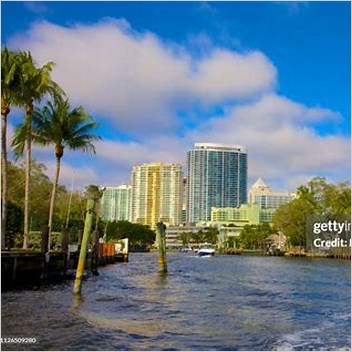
[[160, 76]]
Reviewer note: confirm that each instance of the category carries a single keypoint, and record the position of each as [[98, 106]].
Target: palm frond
[[57, 124]]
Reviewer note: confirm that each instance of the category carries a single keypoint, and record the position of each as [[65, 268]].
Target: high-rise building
[[217, 177], [116, 203], [157, 194], [184, 201], [260, 193]]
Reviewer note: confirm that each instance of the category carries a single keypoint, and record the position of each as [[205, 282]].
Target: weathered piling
[[84, 246], [161, 241], [95, 252], [79, 239], [65, 239], [45, 250]]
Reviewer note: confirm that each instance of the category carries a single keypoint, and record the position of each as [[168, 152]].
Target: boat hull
[[206, 253]]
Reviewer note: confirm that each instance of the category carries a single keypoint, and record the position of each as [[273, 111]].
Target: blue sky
[[160, 76]]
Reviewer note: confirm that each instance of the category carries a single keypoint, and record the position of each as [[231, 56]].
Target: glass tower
[[217, 177], [116, 203]]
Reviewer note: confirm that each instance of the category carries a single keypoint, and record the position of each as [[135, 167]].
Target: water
[[219, 303]]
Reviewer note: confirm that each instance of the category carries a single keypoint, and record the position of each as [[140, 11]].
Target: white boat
[[206, 250]]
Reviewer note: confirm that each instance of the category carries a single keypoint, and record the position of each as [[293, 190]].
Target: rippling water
[[219, 303]]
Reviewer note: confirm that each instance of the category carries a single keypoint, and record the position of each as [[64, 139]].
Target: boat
[[206, 250]]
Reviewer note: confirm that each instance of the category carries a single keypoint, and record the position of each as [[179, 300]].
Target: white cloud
[[282, 149], [281, 145], [80, 176], [137, 80]]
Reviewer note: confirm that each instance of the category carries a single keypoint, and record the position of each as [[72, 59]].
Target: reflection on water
[[220, 303]]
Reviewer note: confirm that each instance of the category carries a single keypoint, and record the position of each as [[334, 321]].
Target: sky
[[161, 76]]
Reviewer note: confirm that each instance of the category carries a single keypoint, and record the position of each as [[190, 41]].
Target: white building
[[173, 234], [260, 193], [116, 203]]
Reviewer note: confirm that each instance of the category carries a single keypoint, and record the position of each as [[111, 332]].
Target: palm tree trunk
[[52, 200], [5, 109], [29, 112]]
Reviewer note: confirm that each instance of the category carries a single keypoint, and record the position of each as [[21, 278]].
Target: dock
[[28, 267]]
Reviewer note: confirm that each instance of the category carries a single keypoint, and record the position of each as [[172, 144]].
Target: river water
[[219, 303]]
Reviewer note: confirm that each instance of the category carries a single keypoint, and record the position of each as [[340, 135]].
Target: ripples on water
[[220, 303]]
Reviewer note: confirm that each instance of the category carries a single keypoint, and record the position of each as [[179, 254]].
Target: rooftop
[[219, 146]]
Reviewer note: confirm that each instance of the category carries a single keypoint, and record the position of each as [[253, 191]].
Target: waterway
[[220, 303]]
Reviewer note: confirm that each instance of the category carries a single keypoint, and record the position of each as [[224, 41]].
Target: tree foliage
[[201, 236], [141, 237], [252, 236], [10, 83], [35, 83], [40, 196], [318, 197], [58, 125]]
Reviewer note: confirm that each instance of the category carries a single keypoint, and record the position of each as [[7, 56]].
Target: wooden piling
[[84, 246], [79, 238], [65, 240], [95, 252], [161, 241], [45, 250]]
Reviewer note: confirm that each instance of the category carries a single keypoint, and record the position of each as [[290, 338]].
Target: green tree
[[141, 237], [35, 84], [14, 224], [230, 242], [318, 197], [251, 236], [211, 236], [69, 206], [184, 237], [10, 81], [59, 125], [197, 237], [40, 192]]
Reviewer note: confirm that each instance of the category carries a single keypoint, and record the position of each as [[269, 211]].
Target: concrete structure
[[116, 203], [230, 221], [184, 201], [174, 232], [217, 177], [263, 195], [246, 214], [157, 194], [267, 215]]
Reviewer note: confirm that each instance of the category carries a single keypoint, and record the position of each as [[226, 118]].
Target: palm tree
[[59, 125], [35, 84], [10, 79]]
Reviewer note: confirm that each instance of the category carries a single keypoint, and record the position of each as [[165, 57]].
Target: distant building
[[217, 177], [116, 203], [230, 221], [157, 194], [246, 214], [261, 194], [173, 234], [184, 201]]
